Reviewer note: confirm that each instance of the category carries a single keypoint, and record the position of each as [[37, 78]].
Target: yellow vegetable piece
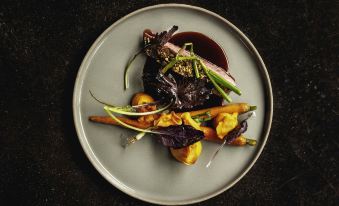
[[141, 98], [225, 123], [189, 121], [187, 155], [148, 118], [166, 120]]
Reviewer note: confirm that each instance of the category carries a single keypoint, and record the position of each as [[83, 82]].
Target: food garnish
[[224, 123], [181, 102], [179, 136]]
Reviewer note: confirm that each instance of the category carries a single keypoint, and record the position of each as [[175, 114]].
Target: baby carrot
[[211, 135], [109, 120], [229, 108]]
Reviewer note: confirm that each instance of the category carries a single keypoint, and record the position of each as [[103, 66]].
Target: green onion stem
[[224, 83], [130, 110], [184, 48], [128, 67], [106, 108], [220, 90], [194, 61], [133, 139], [169, 65], [174, 61], [98, 100], [197, 75], [202, 117], [130, 113], [191, 49], [199, 119], [208, 114]]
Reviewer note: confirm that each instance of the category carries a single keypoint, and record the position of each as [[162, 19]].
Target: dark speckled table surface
[[42, 44]]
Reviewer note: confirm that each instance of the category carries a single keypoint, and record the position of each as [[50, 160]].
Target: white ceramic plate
[[146, 170]]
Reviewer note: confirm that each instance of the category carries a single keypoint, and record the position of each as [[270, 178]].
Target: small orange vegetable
[[186, 117], [224, 123], [109, 120], [149, 119], [242, 140], [166, 120], [187, 155], [141, 98], [211, 135], [239, 141]]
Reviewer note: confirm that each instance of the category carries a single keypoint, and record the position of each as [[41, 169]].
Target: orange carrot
[[109, 120], [211, 135], [230, 108]]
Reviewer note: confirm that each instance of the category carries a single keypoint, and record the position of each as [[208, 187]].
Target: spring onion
[[131, 110], [220, 90], [223, 82], [106, 108], [133, 113]]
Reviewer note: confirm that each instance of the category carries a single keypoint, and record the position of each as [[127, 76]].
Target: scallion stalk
[[169, 65], [131, 113], [196, 71], [224, 83], [106, 108], [128, 67], [130, 110], [220, 90], [174, 61]]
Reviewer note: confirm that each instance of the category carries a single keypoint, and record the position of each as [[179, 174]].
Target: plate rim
[[91, 155]]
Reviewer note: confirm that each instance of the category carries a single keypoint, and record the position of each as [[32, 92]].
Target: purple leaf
[[236, 132], [179, 136]]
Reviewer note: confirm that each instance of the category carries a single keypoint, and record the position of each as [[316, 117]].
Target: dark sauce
[[203, 46]]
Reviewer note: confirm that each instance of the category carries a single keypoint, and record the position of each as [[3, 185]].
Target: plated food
[[185, 99], [147, 170]]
